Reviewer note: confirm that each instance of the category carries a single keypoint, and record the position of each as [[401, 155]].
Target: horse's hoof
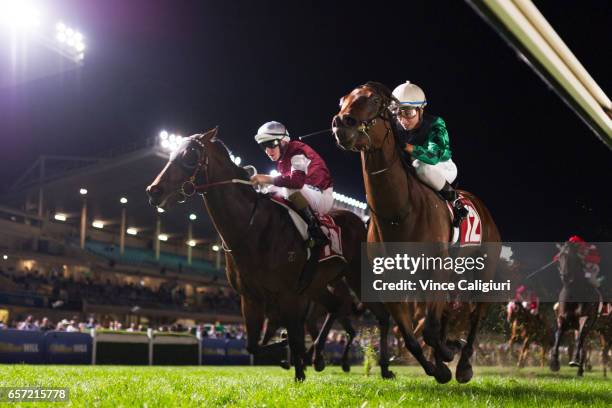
[[346, 367], [429, 368], [387, 374], [319, 364], [464, 373], [300, 378], [443, 374], [580, 373], [574, 364], [554, 365], [285, 364]]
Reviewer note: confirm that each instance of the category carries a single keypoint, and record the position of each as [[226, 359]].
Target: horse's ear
[[208, 135]]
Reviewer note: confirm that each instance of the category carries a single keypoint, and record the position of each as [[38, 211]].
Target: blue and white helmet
[[271, 131], [410, 95]]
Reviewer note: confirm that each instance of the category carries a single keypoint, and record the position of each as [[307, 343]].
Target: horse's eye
[[190, 157]]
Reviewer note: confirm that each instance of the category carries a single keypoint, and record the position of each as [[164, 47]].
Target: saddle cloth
[[469, 232], [328, 226]]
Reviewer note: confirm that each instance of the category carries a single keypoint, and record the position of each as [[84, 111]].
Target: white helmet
[[270, 131], [410, 95]]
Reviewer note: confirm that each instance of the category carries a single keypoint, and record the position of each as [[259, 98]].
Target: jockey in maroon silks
[[589, 254], [303, 179]]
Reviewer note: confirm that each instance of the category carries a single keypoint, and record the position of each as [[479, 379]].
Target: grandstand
[[79, 238]]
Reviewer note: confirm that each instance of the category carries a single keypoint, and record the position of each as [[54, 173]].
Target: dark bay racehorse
[[406, 210], [264, 252], [579, 306]]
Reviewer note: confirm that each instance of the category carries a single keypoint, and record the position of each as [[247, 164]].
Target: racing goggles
[[269, 144]]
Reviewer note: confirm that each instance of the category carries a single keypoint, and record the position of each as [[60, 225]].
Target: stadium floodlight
[[70, 39], [5, 257], [170, 141], [193, 217], [123, 200], [274, 173], [191, 243], [160, 210], [131, 231], [97, 224], [60, 217], [237, 160], [215, 248], [83, 191], [22, 15], [162, 237]]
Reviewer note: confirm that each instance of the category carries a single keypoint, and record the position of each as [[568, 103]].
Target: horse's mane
[[380, 88]]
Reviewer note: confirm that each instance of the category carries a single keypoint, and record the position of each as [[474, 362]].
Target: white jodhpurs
[[436, 175], [319, 201]]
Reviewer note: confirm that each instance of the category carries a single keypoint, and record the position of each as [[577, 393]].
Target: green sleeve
[[436, 148]]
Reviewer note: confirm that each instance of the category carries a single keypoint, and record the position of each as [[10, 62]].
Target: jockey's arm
[[435, 147], [262, 179], [296, 179]]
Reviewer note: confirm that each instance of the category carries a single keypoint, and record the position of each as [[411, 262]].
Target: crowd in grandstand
[[216, 330], [62, 290]]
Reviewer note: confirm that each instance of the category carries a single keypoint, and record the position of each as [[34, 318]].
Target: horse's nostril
[[155, 192]]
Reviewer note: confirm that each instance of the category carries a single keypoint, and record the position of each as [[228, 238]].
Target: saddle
[[328, 226]]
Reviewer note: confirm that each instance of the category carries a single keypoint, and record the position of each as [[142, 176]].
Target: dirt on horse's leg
[[399, 312], [463, 372], [554, 352]]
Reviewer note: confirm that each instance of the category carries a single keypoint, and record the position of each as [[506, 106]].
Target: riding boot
[[459, 211], [318, 238]]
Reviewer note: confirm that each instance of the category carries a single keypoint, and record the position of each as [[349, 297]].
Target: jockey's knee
[[430, 175], [297, 198]]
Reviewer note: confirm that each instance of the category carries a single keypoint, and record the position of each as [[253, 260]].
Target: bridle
[[189, 187]]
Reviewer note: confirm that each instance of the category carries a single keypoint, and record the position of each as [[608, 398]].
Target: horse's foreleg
[[580, 356], [399, 312], [295, 332], [318, 361], [350, 335], [383, 327], [523, 353], [464, 372], [433, 332], [554, 352]]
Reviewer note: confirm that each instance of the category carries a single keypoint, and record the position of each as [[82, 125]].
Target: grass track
[[116, 386]]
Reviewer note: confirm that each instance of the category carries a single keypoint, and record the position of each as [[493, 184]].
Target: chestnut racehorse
[[406, 210], [264, 252]]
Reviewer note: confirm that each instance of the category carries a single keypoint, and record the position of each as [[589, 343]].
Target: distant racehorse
[[264, 252], [579, 306], [406, 210], [530, 328]]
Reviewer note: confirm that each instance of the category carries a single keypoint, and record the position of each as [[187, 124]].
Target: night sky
[[186, 66]]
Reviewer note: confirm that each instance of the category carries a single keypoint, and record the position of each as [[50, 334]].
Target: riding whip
[[314, 134]]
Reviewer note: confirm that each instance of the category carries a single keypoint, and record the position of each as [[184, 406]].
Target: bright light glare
[[98, 224], [162, 237], [19, 14], [5, 257], [132, 231], [123, 200], [237, 160], [193, 217], [60, 217], [350, 201], [191, 243], [215, 248], [163, 135], [83, 191], [274, 173], [160, 210], [170, 141]]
